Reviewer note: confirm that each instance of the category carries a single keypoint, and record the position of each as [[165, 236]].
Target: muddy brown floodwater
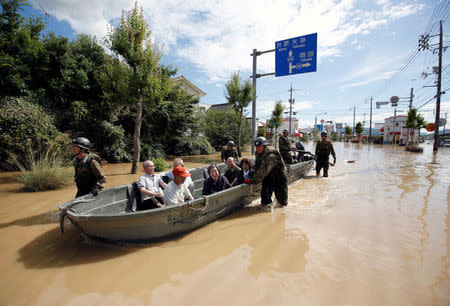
[[376, 232]]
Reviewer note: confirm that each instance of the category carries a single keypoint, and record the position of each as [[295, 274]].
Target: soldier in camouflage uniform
[[322, 154], [89, 175], [284, 145], [271, 171], [229, 151]]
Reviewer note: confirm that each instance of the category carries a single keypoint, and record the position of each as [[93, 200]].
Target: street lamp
[[315, 124]]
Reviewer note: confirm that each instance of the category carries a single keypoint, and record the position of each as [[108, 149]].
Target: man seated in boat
[[216, 182], [246, 174], [232, 171], [176, 193], [150, 186], [168, 176]]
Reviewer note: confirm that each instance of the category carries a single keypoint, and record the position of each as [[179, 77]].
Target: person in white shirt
[[150, 186], [188, 182], [176, 193]]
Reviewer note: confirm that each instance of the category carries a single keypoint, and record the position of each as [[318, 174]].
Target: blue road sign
[[296, 55]]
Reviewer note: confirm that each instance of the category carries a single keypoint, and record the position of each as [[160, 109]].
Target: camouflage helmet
[[261, 141], [230, 144], [82, 143], [324, 134], [285, 131]]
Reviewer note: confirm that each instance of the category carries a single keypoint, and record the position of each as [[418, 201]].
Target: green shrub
[[44, 170], [21, 120], [186, 145], [160, 164], [151, 151]]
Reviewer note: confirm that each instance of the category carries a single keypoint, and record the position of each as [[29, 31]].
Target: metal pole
[[393, 127], [353, 131], [438, 95], [254, 102], [315, 127], [410, 106], [370, 121], [445, 124], [290, 112]]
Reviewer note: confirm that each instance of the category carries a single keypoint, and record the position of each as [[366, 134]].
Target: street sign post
[[296, 55]]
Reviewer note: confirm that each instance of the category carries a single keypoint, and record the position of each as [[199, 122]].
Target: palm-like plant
[[414, 121]]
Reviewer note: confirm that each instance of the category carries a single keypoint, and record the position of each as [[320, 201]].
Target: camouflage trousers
[[322, 164], [287, 157], [275, 182]]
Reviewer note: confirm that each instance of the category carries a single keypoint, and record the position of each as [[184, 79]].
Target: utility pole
[[410, 106], [354, 112], [393, 126], [445, 124], [370, 121], [438, 94]]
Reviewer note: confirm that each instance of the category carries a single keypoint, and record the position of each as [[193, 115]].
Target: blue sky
[[362, 45]]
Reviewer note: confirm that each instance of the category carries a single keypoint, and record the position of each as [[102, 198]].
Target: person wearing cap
[[89, 176], [229, 151], [216, 182], [150, 185], [176, 193], [284, 145], [168, 176], [323, 150], [271, 172]]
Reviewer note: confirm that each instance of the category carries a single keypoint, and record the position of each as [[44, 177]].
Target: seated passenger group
[[176, 186]]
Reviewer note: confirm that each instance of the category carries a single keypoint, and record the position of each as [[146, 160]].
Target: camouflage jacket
[[89, 173], [229, 153], [323, 150], [267, 161], [284, 144]]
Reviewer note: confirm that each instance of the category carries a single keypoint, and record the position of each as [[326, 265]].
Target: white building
[[396, 132], [285, 126], [193, 90]]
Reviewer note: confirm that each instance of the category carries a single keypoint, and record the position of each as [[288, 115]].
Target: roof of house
[[184, 80]]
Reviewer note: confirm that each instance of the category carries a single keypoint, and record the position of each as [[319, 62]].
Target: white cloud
[[218, 36]]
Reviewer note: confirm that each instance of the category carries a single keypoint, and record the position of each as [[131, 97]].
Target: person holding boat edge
[[322, 154], [271, 171], [89, 176]]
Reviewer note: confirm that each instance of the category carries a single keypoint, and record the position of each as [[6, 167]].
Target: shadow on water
[[51, 250], [43, 218]]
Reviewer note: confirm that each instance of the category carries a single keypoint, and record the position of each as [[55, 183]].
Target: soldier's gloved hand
[[94, 192], [334, 162]]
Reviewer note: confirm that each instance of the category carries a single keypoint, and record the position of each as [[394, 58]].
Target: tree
[[414, 121], [238, 94], [131, 40], [276, 120], [348, 131], [359, 129]]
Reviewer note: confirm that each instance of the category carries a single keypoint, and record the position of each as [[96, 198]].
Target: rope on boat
[[63, 212], [200, 209]]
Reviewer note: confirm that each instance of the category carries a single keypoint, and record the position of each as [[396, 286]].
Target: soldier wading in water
[[271, 171], [89, 175], [284, 145], [322, 154]]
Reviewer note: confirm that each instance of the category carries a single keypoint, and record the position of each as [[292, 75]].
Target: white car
[[446, 143]]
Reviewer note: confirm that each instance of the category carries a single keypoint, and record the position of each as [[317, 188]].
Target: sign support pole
[[254, 77]]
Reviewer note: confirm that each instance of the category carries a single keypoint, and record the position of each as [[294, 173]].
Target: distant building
[[397, 132], [219, 107], [192, 89]]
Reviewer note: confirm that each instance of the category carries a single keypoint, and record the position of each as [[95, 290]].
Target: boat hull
[[110, 216]]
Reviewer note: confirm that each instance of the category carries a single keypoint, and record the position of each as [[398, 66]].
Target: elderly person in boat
[[150, 186], [246, 174], [176, 193], [169, 175], [215, 182], [232, 171]]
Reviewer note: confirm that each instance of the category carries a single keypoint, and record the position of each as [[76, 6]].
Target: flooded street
[[375, 232]]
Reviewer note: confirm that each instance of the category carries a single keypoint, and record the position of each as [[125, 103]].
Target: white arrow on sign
[[299, 66]]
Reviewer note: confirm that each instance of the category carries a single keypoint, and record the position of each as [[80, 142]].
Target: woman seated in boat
[[246, 173], [216, 182]]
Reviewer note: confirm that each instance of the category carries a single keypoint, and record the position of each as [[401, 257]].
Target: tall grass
[[45, 169]]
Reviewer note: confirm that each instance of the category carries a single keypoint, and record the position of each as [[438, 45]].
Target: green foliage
[[334, 136], [21, 120], [239, 94], [186, 145], [348, 130], [261, 132], [277, 115], [304, 137], [359, 128], [160, 164], [45, 169], [415, 121], [151, 151]]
